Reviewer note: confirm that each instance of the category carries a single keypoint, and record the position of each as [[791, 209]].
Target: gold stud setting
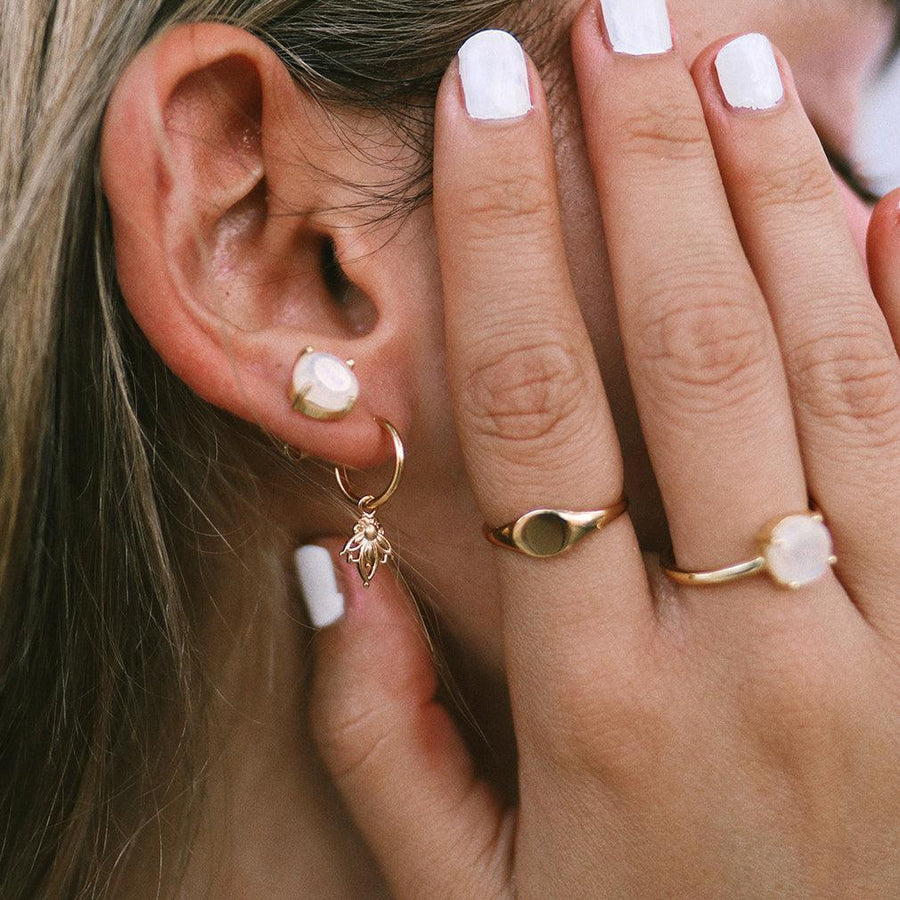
[[323, 386]]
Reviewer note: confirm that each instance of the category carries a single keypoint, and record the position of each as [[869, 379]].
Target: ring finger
[[701, 350], [842, 366]]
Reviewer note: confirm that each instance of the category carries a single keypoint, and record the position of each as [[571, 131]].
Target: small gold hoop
[[370, 502], [291, 454]]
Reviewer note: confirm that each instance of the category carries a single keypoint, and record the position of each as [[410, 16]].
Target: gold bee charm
[[368, 548]]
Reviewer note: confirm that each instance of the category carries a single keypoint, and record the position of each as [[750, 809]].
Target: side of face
[[835, 45], [261, 176]]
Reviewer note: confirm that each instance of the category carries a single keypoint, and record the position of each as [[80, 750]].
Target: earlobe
[[216, 166]]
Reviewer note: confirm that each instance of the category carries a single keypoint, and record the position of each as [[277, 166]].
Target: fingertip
[[885, 221], [333, 592], [703, 68], [321, 587], [587, 28], [493, 73], [491, 82], [743, 73], [883, 255]]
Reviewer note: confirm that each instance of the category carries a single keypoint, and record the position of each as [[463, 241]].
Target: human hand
[[739, 740]]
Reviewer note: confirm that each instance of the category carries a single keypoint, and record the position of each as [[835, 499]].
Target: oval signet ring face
[[323, 386], [543, 533]]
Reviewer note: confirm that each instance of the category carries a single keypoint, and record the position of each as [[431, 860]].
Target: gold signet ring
[[548, 532]]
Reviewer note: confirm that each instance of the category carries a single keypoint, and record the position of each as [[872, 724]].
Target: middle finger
[[701, 349], [534, 421]]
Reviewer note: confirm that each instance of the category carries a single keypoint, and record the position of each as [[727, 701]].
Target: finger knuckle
[[849, 379], [524, 395], [664, 130], [350, 741], [704, 351], [507, 204], [789, 179]]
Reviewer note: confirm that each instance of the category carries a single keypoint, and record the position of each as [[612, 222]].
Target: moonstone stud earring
[[323, 386]]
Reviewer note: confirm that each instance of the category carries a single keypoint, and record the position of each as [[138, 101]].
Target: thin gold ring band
[[543, 533], [717, 576], [779, 544], [369, 501]]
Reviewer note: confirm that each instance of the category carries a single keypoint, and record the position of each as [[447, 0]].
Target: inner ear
[[258, 273], [260, 261], [213, 121]]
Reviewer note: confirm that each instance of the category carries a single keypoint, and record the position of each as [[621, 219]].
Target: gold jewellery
[[794, 551], [544, 533], [368, 548], [324, 387]]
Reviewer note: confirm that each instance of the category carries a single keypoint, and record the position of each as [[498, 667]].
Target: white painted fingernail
[[494, 76], [748, 73], [637, 27], [315, 571]]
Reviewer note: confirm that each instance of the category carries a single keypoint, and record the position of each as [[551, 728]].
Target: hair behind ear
[[108, 502], [116, 480]]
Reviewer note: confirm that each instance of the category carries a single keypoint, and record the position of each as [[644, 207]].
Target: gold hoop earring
[[368, 548]]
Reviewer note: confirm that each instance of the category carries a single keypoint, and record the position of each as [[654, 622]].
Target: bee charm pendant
[[368, 548]]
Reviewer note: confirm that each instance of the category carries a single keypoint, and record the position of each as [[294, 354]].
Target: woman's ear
[[230, 191]]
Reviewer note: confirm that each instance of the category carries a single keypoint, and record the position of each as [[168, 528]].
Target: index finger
[[534, 421]]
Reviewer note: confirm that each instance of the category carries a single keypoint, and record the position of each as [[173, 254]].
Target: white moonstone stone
[[800, 551], [329, 386]]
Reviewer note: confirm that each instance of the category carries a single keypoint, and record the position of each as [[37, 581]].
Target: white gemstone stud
[[323, 386], [798, 550]]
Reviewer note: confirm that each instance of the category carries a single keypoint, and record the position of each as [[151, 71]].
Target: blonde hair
[[117, 483]]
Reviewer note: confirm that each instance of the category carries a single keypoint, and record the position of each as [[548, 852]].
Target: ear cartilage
[[323, 386]]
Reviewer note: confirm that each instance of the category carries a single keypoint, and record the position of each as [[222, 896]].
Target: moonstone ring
[[794, 551]]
